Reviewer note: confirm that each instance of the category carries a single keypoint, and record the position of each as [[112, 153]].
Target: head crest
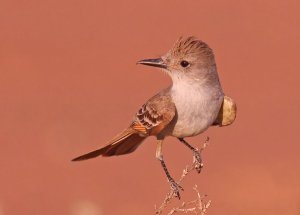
[[191, 45]]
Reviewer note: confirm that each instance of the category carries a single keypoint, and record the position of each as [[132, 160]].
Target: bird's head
[[189, 57]]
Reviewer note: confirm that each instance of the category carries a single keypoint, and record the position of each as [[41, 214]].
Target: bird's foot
[[198, 164], [197, 155], [175, 187]]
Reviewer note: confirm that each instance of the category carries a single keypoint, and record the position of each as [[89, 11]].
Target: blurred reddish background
[[69, 83]]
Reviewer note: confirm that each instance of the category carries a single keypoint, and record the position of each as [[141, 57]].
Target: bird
[[189, 106]]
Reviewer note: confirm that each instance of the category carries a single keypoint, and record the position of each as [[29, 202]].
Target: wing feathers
[[151, 119], [155, 115]]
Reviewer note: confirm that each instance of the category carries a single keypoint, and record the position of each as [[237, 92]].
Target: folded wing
[[151, 119]]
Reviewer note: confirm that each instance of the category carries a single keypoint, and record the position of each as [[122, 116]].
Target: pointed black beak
[[158, 62]]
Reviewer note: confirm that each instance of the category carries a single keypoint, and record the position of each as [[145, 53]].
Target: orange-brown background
[[68, 83]]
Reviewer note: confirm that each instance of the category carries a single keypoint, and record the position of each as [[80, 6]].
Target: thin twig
[[200, 206]]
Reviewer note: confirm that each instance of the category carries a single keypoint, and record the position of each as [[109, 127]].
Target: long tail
[[124, 143]]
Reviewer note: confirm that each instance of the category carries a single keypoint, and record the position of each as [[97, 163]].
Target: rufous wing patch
[[154, 115], [140, 128]]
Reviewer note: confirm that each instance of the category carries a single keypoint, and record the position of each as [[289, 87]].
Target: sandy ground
[[69, 83]]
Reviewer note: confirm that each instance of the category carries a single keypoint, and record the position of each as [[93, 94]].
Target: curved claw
[[197, 156], [198, 161], [175, 188]]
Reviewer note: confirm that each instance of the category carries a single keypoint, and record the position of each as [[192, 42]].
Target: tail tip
[[76, 159]]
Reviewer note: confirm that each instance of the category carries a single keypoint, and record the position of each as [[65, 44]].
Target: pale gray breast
[[196, 111]]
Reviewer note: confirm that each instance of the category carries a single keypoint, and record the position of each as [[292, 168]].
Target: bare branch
[[197, 206]]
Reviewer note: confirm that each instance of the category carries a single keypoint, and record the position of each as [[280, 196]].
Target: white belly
[[196, 112]]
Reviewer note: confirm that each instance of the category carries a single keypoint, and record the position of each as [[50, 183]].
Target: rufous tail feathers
[[124, 143]]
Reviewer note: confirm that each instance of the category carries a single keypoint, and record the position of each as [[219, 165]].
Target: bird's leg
[[174, 186], [197, 155]]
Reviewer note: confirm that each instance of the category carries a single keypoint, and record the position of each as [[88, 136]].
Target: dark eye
[[184, 63]]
